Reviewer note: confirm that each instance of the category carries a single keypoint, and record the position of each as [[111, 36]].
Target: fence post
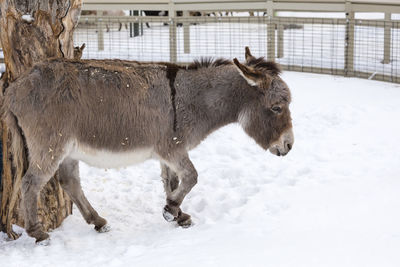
[[136, 25], [172, 33], [280, 40], [387, 38], [270, 31], [130, 24], [349, 43], [100, 31], [186, 33], [141, 23]]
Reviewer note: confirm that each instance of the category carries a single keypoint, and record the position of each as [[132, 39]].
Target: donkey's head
[[267, 117]]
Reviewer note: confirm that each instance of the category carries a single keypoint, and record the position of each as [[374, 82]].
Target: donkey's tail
[[17, 146], [17, 141], [18, 150]]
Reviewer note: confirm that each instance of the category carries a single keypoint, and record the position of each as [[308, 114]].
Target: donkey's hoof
[[43, 239], [184, 220], [168, 215], [12, 236], [103, 229], [44, 242]]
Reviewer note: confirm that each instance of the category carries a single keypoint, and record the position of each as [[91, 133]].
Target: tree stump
[[31, 31]]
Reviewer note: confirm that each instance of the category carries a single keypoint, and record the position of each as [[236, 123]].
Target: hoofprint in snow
[[332, 201]]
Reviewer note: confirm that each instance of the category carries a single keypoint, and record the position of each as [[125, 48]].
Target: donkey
[[112, 113]]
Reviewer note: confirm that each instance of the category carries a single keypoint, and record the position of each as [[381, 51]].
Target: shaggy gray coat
[[111, 113]]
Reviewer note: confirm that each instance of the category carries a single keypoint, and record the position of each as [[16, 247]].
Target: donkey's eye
[[276, 109]]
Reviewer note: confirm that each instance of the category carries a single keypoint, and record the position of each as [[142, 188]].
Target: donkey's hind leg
[[70, 182], [32, 183]]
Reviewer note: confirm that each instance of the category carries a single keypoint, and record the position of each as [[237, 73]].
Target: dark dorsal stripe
[[172, 70]]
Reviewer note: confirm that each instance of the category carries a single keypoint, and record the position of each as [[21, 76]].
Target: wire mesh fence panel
[[222, 38], [369, 56], [315, 43], [395, 51], [320, 45], [369, 42], [119, 41]]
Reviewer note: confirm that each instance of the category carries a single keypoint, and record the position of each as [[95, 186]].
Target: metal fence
[[349, 47]]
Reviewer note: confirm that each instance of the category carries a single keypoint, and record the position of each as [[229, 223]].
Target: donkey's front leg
[[171, 183], [170, 179], [187, 174]]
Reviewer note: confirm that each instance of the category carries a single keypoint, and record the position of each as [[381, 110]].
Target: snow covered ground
[[332, 201]]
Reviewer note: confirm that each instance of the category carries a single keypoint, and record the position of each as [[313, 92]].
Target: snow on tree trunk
[[30, 31]]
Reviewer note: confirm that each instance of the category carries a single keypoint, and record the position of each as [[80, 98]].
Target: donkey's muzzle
[[284, 144]]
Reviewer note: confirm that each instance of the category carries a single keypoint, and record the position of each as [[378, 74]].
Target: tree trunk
[[30, 31]]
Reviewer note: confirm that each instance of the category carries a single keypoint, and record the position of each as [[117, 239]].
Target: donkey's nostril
[[289, 146]]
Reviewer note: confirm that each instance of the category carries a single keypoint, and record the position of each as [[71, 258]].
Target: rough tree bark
[[30, 31]]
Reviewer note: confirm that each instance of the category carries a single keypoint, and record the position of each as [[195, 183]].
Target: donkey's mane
[[207, 62], [263, 65]]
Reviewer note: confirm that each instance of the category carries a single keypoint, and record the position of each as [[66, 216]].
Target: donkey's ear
[[248, 56], [250, 75]]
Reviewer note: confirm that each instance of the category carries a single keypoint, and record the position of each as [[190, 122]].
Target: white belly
[[109, 159]]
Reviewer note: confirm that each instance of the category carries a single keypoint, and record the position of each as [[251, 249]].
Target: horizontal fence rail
[[348, 47], [392, 6]]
